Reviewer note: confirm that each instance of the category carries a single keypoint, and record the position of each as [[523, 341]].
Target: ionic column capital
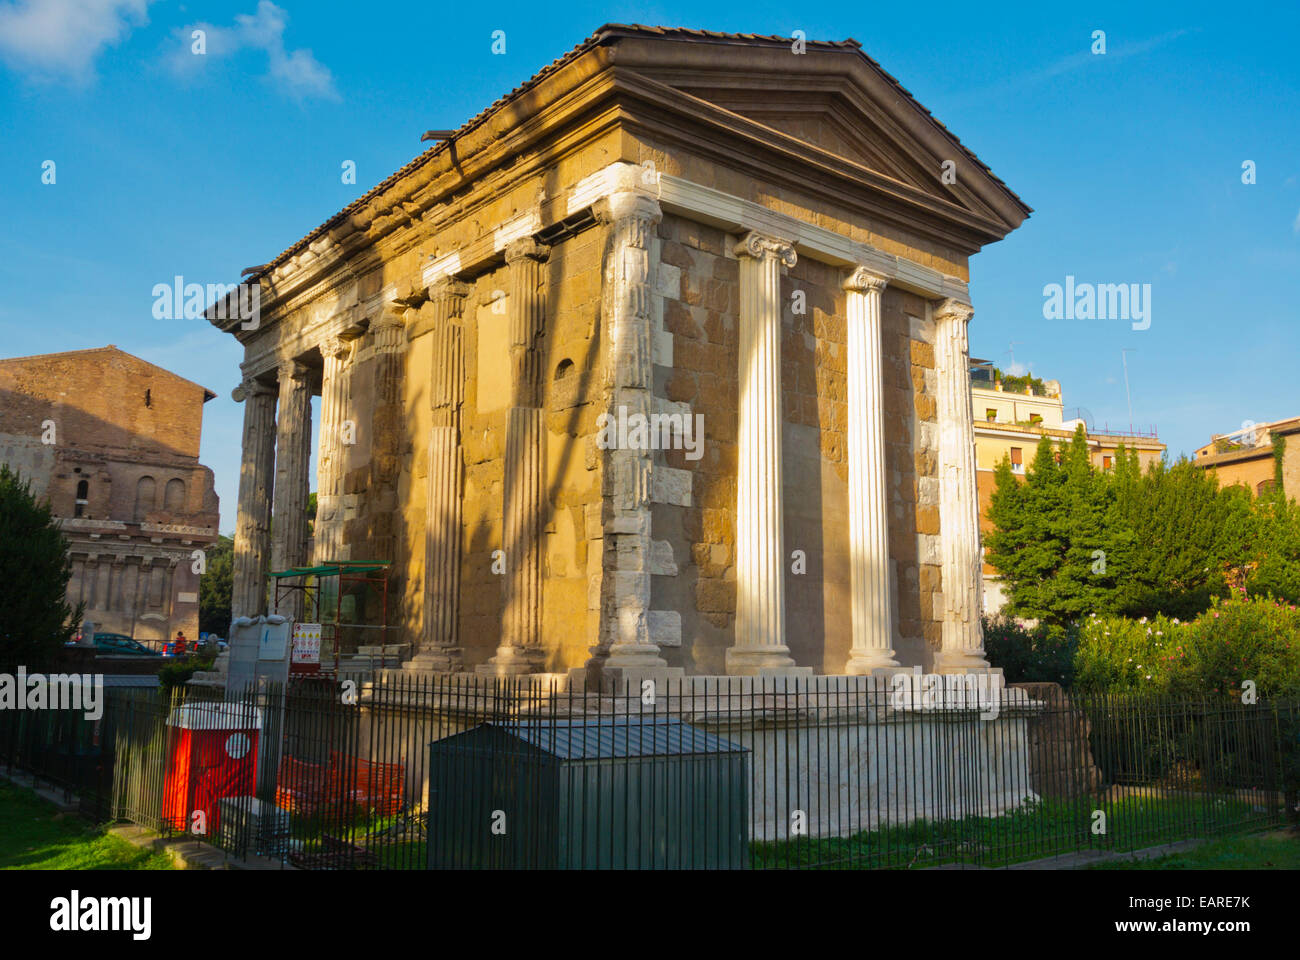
[[627, 205], [526, 248], [336, 348], [449, 289], [249, 387], [760, 246], [292, 370], [953, 310], [862, 280], [388, 317]]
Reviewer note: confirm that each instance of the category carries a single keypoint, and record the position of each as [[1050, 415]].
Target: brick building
[[113, 442], [668, 223], [1252, 456]]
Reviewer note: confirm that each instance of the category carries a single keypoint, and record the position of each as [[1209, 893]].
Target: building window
[[1264, 486], [1035, 418], [991, 414], [83, 498], [1105, 463], [1017, 460]]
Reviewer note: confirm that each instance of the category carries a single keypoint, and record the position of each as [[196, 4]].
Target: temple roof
[[612, 34]]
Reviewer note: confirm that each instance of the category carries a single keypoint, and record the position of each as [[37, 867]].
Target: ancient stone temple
[[658, 364]]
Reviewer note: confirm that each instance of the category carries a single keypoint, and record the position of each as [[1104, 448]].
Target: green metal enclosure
[[608, 794]]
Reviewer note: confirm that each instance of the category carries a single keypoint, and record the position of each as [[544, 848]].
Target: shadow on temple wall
[[85, 439]]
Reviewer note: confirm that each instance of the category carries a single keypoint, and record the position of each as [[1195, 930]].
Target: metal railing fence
[[410, 772]]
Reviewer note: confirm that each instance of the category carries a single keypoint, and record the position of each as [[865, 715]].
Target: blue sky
[[171, 164]]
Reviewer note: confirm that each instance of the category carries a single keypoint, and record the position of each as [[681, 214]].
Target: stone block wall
[[570, 358], [697, 304], [1060, 754]]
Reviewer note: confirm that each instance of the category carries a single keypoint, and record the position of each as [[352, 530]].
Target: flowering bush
[[1238, 640], [1122, 655], [1233, 641]]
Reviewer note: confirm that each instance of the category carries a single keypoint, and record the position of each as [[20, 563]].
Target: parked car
[[123, 645]]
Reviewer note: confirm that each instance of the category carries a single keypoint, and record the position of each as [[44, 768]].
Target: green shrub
[[179, 672], [1039, 654]]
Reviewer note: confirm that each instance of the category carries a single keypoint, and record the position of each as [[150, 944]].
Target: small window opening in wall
[[1105, 463], [1035, 418], [83, 498], [564, 369], [1017, 460], [991, 414], [148, 398]]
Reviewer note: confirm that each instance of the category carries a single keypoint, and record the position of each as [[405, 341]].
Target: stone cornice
[[674, 195]]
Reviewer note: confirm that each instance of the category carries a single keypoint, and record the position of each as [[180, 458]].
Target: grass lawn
[[1276, 850], [35, 836], [1043, 829]]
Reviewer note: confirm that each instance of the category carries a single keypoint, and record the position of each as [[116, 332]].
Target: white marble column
[[760, 645], [624, 643], [253, 518], [963, 637], [872, 617], [292, 453]]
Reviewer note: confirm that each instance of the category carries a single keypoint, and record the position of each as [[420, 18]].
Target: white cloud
[[1296, 226], [296, 72], [1082, 59], [60, 39]]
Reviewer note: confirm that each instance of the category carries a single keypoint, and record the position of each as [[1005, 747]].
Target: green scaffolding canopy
[[335, 569]]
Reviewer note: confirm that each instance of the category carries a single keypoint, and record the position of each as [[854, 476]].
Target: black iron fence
[[408, 772]]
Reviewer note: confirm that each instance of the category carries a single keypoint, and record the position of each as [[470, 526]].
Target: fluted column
[[760, 542], [387, 431], [256, 481], [334, 394], [442, 318], [624, 641], [524, 489], [292, 453], [873, 642], [963, 638]]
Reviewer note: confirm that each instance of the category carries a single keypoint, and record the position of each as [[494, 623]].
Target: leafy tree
[[1054, 534], [1071, 541], [36, 619], [215, 587], [1276, 543], [1181, 536]]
